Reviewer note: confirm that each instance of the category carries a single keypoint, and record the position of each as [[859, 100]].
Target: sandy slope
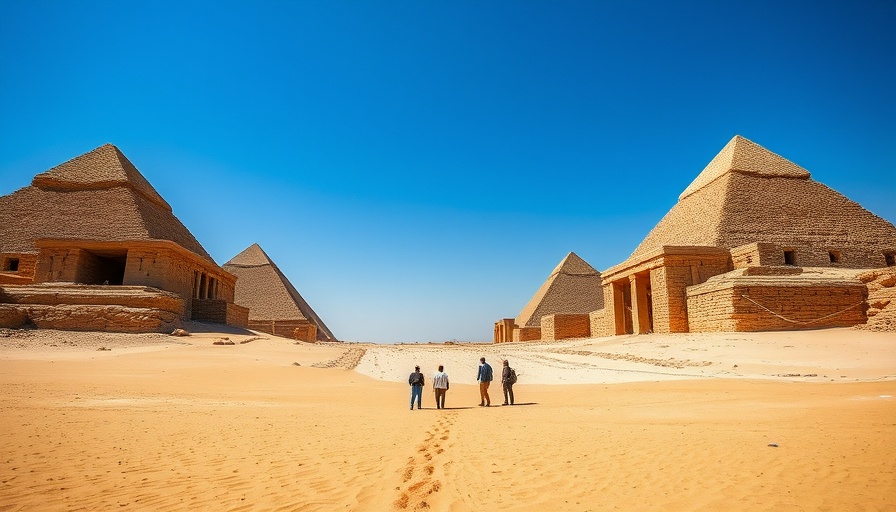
[[174, 424]]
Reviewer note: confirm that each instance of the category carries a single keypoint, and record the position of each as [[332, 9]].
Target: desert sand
[[740, 421]]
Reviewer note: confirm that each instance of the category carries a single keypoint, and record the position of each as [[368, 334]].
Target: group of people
[[440, 384]]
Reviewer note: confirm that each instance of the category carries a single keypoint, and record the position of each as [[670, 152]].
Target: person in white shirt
[[440, 386]]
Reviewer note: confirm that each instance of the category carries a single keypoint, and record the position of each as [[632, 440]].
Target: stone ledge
[[110, 318]]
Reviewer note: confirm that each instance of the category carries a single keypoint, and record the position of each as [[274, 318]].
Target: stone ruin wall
[[599, 323], [169, 271], [561, 326], [284, 328], [131, 309], [158, 267], [24, 274], [756, 254], [307, 333], [527, 334], [881, 312], [220, 311], [725, 308]]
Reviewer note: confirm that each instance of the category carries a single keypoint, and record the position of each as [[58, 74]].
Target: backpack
[[512, 376]]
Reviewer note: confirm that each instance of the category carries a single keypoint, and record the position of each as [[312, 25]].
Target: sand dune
[[642, 423]]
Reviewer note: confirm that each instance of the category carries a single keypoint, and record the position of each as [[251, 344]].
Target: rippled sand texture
[[270, 425]]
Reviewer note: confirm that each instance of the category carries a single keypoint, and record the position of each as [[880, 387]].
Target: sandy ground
[[768, 421]]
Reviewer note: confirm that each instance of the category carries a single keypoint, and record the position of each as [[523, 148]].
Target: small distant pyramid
[[748, 194], [574, 286], [268, 294], [100, 196]]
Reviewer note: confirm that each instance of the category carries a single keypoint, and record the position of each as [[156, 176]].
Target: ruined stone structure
[[573, 288], [752, 244], [275, 306], [90, 244]]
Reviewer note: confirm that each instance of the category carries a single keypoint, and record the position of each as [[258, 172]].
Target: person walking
[[507, 381], [440, 386], [485, 379], [416, 382]]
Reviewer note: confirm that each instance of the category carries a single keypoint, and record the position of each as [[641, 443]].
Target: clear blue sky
[[418, 168]]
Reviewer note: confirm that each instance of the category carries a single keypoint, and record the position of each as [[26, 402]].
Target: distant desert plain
[[781, 421]]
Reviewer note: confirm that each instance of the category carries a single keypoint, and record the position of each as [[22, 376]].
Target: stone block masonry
[[86, 308], [561, 326], [221, 312], [285, 328], [527, 334], [773, 304], [881, 312]]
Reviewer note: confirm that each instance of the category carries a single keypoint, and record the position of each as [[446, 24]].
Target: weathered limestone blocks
[[561, 326], [285, 328], [49, 294], [220, 311], [307, 333], [82, 317], [881, 285], [87, 308], [774, 303], [599, 323], [527, 334]]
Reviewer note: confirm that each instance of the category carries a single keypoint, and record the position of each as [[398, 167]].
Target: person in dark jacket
[[416, 382], [485, 379], [507, 382]]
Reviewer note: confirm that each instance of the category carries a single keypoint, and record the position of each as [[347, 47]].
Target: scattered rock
[[296, 364], [104, 349], [773, 445], [180, 332]]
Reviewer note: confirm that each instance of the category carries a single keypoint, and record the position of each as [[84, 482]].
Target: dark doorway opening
[[102, 268], [789, 257], [12, 265]]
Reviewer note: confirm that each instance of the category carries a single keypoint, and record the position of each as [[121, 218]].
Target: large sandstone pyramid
[[748, 194], [573, 287], [268, 294], [98, 196]]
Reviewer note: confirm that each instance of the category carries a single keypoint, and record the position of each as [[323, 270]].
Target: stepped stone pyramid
[[748, 194], [97, 196], [90, 244], [574, 286], [275, 306]]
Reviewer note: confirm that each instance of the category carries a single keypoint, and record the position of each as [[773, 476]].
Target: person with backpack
[[416, 382], [508, 379]]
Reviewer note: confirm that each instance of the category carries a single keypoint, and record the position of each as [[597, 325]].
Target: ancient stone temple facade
[[560, 307], [752, 244], [275, 306], [91, 245]]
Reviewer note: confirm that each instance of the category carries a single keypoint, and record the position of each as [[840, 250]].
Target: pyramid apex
[[745, 156], [252, 256], [103, 167], [573, 264]]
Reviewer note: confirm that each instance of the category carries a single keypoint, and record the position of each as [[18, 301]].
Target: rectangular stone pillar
[[617, 307], [640, 305]]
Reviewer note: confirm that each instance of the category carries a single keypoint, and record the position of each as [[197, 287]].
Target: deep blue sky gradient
[[418, 168]]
